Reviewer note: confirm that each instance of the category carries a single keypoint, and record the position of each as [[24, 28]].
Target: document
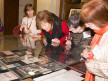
[[62, 75]]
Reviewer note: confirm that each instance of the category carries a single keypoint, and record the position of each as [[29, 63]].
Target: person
[[95, 14], [29, 21], [1, 26], [77, 29], [52, 27]]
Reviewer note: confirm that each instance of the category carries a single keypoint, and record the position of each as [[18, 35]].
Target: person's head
[[29, 10], [95, 13], [74, 22], [44, 19]]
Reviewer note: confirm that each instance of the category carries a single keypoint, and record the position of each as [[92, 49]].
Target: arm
[[97, 68], [65, 30]]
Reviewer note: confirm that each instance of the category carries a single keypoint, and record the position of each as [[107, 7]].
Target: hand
[[36, 36], [68, 47], [23, 25], [56, 40], [68, 42], [22, 40], [55, 44], [72, 30], [85, 53], [27, 31], [44, 60], [27, 36], [80, 29]]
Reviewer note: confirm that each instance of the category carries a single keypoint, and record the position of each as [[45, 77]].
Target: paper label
[[86, 34]]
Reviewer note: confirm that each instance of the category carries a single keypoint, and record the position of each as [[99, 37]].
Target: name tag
[[96, 52], [86, 34]]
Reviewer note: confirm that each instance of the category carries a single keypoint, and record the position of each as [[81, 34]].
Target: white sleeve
[[24, 21]]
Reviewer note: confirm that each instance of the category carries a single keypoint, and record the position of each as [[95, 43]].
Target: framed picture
[[74, 10]]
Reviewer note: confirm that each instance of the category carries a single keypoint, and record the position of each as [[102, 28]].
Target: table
[[26, 57]]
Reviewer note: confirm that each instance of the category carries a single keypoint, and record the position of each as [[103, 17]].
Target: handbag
[[16, 30], [1, 27]]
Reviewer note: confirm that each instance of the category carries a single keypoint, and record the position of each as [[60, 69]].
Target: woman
[[80, 37], [95, 14], [29, 22], [52, 27], [76, 26]]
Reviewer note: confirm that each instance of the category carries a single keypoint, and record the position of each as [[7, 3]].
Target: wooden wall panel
[[67, 8]]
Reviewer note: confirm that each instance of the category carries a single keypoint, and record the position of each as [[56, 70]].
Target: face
[[30, 13], [92, 26], [45, 26]]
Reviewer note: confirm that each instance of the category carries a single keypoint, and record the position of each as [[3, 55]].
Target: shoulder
[[24, 18], [34, 17], [64, 23]]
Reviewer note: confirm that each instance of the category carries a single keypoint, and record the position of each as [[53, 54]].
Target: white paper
[[31, 60], [8, 76], [86, 34], [62, 75]]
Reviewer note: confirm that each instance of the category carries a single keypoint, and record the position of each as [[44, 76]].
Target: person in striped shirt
[[95, 15]]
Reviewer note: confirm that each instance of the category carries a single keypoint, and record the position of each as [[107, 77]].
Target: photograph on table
[[8, 52], [10, 59], [30, 70]]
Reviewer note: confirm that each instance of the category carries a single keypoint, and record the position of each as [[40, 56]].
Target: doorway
[[11, 12]]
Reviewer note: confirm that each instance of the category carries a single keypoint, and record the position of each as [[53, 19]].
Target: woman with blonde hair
[[95, 14]]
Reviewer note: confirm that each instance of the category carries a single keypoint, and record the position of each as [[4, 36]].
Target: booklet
[[8, 52]]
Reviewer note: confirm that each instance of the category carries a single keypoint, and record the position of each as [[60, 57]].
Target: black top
[[57, 29]]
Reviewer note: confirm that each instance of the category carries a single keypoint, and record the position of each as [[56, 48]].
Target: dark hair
[[95, 11], [27, 8], [74, 20], [45, 16]]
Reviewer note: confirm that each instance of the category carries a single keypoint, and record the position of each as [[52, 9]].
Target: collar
[[102, 30]]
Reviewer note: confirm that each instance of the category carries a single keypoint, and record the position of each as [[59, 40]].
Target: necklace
[[28, 27]]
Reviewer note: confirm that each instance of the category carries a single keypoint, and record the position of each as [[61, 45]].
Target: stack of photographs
[[10, 59], [8, 76], [51, 64], [30, 60], [30, 70]]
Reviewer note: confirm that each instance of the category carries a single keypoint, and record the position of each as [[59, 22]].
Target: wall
[[22, 4], [50, 5], [84, 0], [2, 10]]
